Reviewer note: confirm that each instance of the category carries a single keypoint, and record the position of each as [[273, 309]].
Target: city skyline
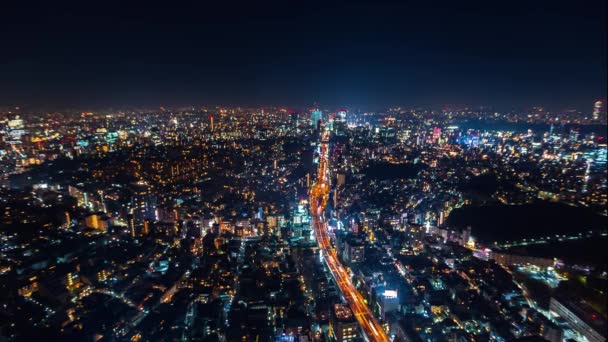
[[268, 224], [349, 171]]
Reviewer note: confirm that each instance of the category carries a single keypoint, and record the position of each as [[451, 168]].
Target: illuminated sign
[[390, 294]]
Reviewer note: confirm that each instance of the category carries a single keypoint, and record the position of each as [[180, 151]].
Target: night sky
[[362, 54]]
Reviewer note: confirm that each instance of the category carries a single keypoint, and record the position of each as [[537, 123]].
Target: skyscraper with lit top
[[316, 117], [598, 108]]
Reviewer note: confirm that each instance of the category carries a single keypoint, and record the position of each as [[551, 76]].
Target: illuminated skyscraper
[[300, 227], [316, 117], [343, 325], [341, 116], [598, 107], [340, 122], [143, 203], [436, 134], [15, 129], [68, 220], [294, 119], [388, 301]]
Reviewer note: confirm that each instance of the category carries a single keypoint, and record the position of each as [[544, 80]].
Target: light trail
[[319, 194]]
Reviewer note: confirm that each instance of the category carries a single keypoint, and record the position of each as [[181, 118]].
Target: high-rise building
[[95, 221], [388, 301], [272, 223], [300, 226], [340, 179], [316, 118], [72, 281], [436, 134], [341, 117], [146, 229], [574, 133], [354, 250], [339, 126], [343, 325], [131, 224], [68, 220], [598, 108], [294, 119], [143, 203], [330, 122], [15, 129]]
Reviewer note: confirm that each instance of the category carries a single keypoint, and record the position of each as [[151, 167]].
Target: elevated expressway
[[319, 194]]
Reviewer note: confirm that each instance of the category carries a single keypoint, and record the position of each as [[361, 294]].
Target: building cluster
[[196, 224]]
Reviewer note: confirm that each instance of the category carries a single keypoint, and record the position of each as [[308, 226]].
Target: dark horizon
[[364, 55]]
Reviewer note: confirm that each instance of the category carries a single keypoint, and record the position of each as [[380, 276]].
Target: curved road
[[318, 200]]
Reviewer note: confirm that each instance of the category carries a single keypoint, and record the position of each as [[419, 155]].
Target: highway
[[319, 194]]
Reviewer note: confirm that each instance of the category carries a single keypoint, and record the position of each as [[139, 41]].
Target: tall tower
[[341, 115], [335, 197], [598, 107], [68, 220], [15, 129], [132, 226], [211, 123], [316, 117]]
